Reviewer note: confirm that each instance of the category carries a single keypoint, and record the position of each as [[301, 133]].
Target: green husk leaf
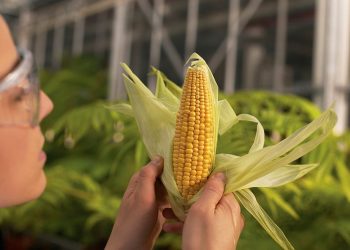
[[283, 175], [165, 95], [155, 133], [227, 117], [156, 128], [260, 134], [243, 172], [249, 202], [173, 87]]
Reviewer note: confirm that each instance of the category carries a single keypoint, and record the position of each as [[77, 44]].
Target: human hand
[[214, 221], [140, 218]]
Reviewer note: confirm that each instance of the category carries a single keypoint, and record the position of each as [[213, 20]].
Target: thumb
[[212, 191]]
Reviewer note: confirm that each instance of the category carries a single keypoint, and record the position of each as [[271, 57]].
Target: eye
[[19, 95]]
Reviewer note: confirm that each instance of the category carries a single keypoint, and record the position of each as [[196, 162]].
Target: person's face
[[22, 160], [21, 157]]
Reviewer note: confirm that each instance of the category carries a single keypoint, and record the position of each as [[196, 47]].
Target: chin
[[24, 195], [39, 187], [35, 192]]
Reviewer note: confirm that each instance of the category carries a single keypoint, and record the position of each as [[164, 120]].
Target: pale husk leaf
[[175, 89], [259, 135], [227, 117], [249, 202], [283, 175], [243, 172], [164, 95], [171, 86], [156, 128]]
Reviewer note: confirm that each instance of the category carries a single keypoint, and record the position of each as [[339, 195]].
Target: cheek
[[21, 173]]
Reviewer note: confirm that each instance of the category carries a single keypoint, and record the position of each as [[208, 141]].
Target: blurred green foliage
[[93, 151]]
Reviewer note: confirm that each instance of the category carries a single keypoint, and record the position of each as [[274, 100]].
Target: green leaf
[[344, 176], [274, 196]]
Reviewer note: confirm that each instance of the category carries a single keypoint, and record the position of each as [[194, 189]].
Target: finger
[[161, 194], [148, 175], [176, 227], [212, 191], [229, 201], [169, 214], [153, 169], [242, 222], [239, 228], [131, 186]]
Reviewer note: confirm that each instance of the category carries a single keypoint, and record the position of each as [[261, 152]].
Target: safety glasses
[[20, 94]]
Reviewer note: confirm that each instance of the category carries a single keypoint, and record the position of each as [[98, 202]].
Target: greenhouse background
[[283, 61]]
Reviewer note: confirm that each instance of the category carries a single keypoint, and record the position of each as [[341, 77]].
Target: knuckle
[[134, 177], [226, 203], [198, 211], [146, 172], [144, 200], [214, 188], [234, 203]]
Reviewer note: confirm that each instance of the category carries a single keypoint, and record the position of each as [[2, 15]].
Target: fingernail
[[157, 160], [220, 176]]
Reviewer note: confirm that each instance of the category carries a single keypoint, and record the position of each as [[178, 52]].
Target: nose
[[46, 105]]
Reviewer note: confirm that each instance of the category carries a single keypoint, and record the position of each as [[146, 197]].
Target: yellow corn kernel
[[193, 147]]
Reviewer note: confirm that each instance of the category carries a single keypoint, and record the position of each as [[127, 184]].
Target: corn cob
[[193, 145]]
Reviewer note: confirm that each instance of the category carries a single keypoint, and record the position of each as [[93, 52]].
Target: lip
[[42, 156]]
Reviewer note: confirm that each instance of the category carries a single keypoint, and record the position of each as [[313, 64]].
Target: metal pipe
[[169, 48], [100, 31], [319, 49], [281, 41], [330, 53], [231, 47], [116, 87], [156, 38], [342, 74], [191, 28], [245, 16], [78, 36], [40, 47], [58, 45], [24, 33]]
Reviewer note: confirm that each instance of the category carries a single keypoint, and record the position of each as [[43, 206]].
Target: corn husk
[[155, 115]]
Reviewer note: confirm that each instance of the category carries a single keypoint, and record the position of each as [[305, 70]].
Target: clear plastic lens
[[20, 94], [19, 105]]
